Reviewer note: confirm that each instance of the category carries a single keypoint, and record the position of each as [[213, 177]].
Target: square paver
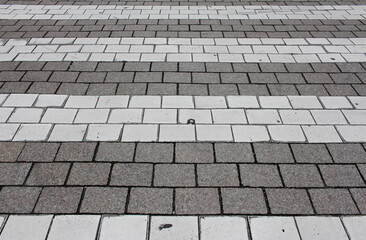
[[48, 174], [151, 201], [18, 199], [154, 152], [243, 201], [115, 152], [260, 175], [89, 174], [217, 175], [132, 174], [39, 152], [76, 152], [104, 200], [194, 153], [273, 153], [301, 175], [233, 152], [197, 201], [289, 201]]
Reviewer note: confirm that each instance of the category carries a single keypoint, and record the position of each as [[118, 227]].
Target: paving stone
[[18, 199], [259, 175], [194, 153], [325, 67], [311, 153], [148, 77], [262, 78], [9, 66], [9, 151], [312, 89], [115, 152], [233, 152], [43, 87], [191, 67], [13, 173], [205, 78], [76, 152], [174, 175], [109, 66], [253, 90], [333, 201], [197, 201], [10, 76], [132, 88], [136, 66], [359, 197], [56, 66], [290, 78], [161, 89], [164, 66], [104, 200], [301, 175], [289, 201], [15, 87], [83, 66], [272, 67], [321, 228], [193, 89], [217, 175], [283, 227], [132, 174], [91, 77], [347, 153], [89, 174], [222, 89], [350, 67], [345, 78], [151, 201], [59, 200], [282, 90], [177, 77], [243, 201], [219, 67], [234, 78], [48, 174], [154, 152], [299, 67], [273, 153], [120, 77], [36, 76], [341, 176], [64, 77]]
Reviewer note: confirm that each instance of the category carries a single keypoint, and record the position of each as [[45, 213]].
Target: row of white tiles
[[141, 227], [278, 50], [180, 12]]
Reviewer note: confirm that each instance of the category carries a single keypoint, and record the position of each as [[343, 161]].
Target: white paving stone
[[160, 116], [199, 115], [355, 116], [32, 132], [125, 116], [280, 228], [214, 133], [113, 102], [321, 228], [358, 102], [210, 102], [128, 227], [177, 102], [286, 133], [182, 228], [221, 228], [140, 133], [274, 102], [296, 117], [145, 102], [26, 115], [5, 113], [74, 227], [250, 133], [263, 116], [7, 131], [55, 115], [92, 116], [328, 117], [66, 133], [229, 116], [355, 226], [3, 97], [177, 133], [26, 227], [20, 100], [81, 102], [50, 100], [104, 132], [353, 133], [335, 102], [321, 134], [242, 102], [305, 102]]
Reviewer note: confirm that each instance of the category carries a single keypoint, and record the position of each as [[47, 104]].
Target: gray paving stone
[[136, 66], [193, 89], [290, 78], [148, 77], [246, 67], [217, 175], [73, 88], [132, 174], [89, 174], [289, 201], [350, 67], [205, 78], [13, 173], [154, 152], [109, 66], [233, 152], [273, 153], [341, 176], [191, 67], [43, 88], [194, 153], [161, 89], [219, 67], [222, 89], [120, 77], [36, 76], [272, 67], [10, 76], [57, 66], [115, 152], [8, 66], [345, 78], [83, 66], [311, 153], [234, 78], [48, 174], [262, 78], [177, 77], [151, 201], [340, 90], [282, 90], [174, 175], [9, 151], [64, 77], [317, 78], [102, 89], [132, 88], [362, 168], [360, 89], [59, 200], [76, 152], [104, 200], [325, 67], [359, 197], [91, 77], [312, 89], [18, 199], [243, 201], [164, 66], [15, 87], [253, 90], [301, 175], [333, 201], [299, 67], [347, 153], [197, 201], [259, 175]]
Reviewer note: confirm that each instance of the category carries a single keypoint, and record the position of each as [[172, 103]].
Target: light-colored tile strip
[[279, 50], [65, 12]]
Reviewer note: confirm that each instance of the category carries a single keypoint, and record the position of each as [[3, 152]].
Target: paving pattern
[[182, 119]]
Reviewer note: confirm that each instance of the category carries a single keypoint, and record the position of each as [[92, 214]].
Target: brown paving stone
[[273, 153], [89, 174], [360, 199], [341, 176], [9, 151], [333, 201], [18, 199], [289, 201], [194, 153], [259, 175], [174, 175], [104, 200], [217, 175], [243, 201], [13, 173], [197, 201], [59, 200], [301, 175], [311, 153], [76, 152], [132, 174], [347, 153], [48, 174], [151, 201], [115, 152], [154, 152], [233, 152]]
